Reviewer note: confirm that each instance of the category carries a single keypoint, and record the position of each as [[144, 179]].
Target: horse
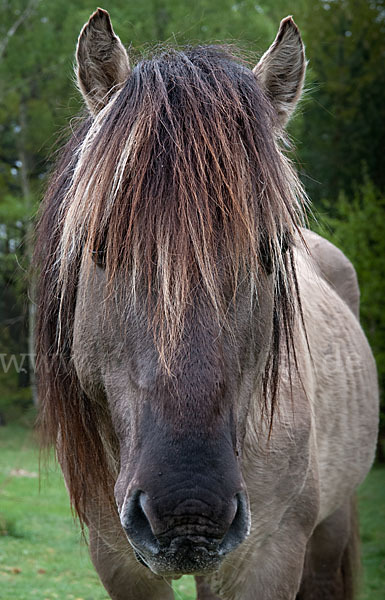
[[202, 371]]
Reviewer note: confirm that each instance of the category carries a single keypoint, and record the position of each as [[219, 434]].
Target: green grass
[[43, 557], [372, 523]]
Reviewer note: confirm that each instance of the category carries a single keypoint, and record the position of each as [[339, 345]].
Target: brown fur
[[340, 582]]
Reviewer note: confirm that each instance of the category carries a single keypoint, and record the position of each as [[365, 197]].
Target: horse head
[[178, 224]]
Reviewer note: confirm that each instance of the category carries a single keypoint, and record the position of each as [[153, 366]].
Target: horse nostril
[[240, 525], [136, 524], [136, 518]]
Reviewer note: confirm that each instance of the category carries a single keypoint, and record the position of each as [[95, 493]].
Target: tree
[[344, 124], [25, 117]]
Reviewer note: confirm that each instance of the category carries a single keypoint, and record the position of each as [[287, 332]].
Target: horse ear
[[281, 70], [102, 62]]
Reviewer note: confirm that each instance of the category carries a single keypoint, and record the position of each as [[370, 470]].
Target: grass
[[42, 555]]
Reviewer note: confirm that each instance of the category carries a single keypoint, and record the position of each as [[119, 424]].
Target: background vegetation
[[339, 135], [339, 132]]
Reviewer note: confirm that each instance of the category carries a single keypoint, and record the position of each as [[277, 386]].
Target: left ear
[[281, 70], [102, 62]]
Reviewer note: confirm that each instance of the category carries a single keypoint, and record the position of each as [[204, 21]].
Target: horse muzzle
[[189, 540]]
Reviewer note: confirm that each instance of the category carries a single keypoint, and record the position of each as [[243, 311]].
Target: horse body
[[304, 478], [210, 392], [342, 427]]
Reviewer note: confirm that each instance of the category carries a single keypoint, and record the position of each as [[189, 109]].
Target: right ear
[[281, 70], [102, 62]]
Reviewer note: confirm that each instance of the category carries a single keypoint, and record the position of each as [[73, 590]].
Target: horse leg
[[121, 574], [271, 571], [332, 558], [203, 590]]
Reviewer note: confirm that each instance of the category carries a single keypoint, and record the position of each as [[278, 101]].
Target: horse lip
[[140, 558], [154, 549], [159, 562], [171, 566]]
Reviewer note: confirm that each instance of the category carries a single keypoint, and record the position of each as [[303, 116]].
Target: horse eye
[[286, 242], [265, 251], [99, 256]]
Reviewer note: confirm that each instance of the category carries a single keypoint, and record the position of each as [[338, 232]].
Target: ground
[[43, 557]]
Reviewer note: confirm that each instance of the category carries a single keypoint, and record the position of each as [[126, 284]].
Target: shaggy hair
[[178, 182]]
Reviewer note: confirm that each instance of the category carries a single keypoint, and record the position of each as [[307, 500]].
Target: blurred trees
[[35, 75], [344, 120], [339, 132], [342, 135]]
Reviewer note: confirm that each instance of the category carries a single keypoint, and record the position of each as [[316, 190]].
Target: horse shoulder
[[343, 390], [335, 268]]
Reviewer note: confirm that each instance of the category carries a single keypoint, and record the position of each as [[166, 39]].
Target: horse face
[[180, 492], [179, 413]]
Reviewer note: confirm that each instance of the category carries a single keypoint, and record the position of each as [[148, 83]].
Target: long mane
[[178, 182]]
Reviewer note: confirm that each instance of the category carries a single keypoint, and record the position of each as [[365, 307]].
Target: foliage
[[341, 123], [14, 391], [344, 119]]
